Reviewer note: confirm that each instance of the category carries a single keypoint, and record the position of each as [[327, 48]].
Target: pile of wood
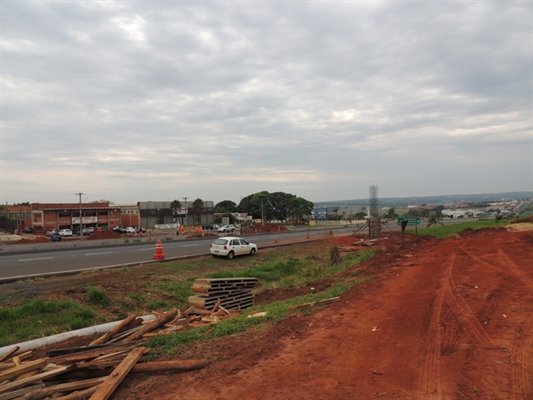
[[226, 293], [96, 370]]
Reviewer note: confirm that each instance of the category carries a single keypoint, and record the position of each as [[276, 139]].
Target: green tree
[[197, 208], [391, 213], [175, 206], [300, 208], [280, 203], [225, 206], [244, 205], [260, 206], [434, 220]]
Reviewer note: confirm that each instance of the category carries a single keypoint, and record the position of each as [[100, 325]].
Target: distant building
[[154, 213]]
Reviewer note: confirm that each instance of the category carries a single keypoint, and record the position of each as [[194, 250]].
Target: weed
[[474, 390], [136, 296], [158, 305], [98, 297]]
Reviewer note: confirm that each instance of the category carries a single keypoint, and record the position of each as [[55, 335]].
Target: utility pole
[[186, 209], [81, 226]]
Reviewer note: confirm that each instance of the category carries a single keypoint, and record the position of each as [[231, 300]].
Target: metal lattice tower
[[374, 203]]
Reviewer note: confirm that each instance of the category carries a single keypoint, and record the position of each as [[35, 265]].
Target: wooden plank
[[43, 393], [81, 395], [71, 350], [10, 353], [92, 353], [11, 373], [20, 392], [23, 382], [151, 325], [316, 303], [209, 302], [112, 381], [108, 335]]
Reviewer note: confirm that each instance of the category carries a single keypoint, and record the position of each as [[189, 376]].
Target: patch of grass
[[158, 305], [97, 297], [39, 318], [275, 313], [136, 296], [453, 229]]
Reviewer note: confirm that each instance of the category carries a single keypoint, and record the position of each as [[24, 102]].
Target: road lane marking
[[189, 245], [145, 249], [35, 259], [97, 254]]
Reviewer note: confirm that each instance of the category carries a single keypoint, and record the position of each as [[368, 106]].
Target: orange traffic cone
[[275, 239], [307, 236], [159, 251]]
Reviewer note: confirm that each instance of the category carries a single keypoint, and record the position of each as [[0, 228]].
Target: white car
[[130, 230], [226, 228], [65, 232], [231, 246]]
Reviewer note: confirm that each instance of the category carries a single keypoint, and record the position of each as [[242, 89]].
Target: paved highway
[[73, 260], [39, 263]]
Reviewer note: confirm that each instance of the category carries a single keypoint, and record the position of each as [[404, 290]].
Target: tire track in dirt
[[430, 379], [522, 374], [467, 319], [463, 312]]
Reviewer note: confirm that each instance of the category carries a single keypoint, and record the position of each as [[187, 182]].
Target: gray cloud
[[160, 100]]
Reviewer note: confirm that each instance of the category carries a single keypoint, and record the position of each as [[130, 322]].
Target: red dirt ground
[[442, 319]]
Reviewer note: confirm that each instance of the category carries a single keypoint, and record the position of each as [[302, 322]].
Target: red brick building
[[43, 217]]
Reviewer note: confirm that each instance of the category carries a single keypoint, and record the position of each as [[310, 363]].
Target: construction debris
[[229, 293], [96, 370]]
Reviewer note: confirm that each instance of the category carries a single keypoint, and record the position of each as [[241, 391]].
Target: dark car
[[27, 230]]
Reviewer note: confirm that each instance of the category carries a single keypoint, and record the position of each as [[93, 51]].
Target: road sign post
[[411, 221]]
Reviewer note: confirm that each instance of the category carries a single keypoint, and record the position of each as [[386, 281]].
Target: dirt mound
[[38, 239], [438, 319], [104, 235], [268, 228]]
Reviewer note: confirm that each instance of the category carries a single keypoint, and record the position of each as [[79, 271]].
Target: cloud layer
[[135, 101]]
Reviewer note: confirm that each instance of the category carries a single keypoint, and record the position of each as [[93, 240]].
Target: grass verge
[[39, 318], [445, 231], [276, 312]]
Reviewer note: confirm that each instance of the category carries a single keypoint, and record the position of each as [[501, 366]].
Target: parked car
[[65, 232], [231, 246], [130, 230], [27, 229], [88, 231], [141, 229], [226, 228], [210, 227], [52, 232]]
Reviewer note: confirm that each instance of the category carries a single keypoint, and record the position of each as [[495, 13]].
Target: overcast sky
[[149, 100]]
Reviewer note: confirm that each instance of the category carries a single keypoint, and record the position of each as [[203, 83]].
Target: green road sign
[[411, 221]]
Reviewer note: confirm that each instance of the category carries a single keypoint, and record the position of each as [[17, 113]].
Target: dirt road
[[446, 319]]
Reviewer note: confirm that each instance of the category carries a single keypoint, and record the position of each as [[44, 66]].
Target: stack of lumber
[[96, 370], [227, 293]]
